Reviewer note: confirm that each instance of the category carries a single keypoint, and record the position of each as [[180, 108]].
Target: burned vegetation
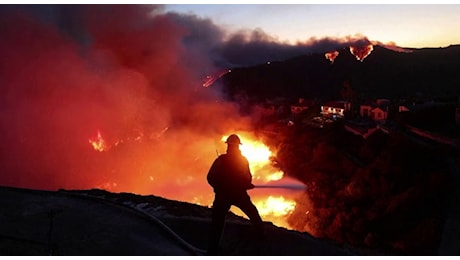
[[388, 193]]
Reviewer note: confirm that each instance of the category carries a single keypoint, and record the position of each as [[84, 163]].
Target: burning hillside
[[274, 196], [124, 113], [210, 79], [111, 97], [361, 52], [361, 47], [331, 55]]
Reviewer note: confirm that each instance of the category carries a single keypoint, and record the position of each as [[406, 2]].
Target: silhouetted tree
[[348, 95]]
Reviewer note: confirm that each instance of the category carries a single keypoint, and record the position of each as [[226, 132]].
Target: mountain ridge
[[383, 73]]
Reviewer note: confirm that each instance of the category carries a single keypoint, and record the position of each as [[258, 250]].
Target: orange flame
[[361, 52], [271, 208], [271, 205], [331, 55], [259, 157], [98, 143], [275, 206]]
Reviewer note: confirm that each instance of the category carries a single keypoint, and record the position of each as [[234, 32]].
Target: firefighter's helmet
[[233, 139]]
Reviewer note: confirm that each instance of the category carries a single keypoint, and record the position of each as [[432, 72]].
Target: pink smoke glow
[[124, 111], [129, 87]]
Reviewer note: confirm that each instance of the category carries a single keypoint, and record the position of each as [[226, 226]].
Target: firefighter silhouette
[[230, 178]]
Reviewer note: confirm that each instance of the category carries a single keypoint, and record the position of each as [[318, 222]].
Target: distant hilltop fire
[[360, 52], [331, 55]]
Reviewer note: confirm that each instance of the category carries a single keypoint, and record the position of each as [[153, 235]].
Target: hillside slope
[[96, 222]]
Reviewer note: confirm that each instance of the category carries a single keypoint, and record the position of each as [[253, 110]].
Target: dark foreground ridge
[[97, 222]]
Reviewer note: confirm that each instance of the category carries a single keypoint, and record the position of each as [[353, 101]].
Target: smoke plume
[[130, 75], [69, 73]]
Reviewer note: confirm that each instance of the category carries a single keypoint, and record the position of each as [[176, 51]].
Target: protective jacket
[[230, 173]]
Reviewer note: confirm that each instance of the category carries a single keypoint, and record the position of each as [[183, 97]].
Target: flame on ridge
[[331, 55], [361, 52]]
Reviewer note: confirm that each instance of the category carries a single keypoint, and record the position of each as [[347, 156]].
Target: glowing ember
[[331, 55], [209, 80], [361, 52], [258, 155], [98, 143]]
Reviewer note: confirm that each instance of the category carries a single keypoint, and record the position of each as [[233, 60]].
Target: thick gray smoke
[[69, 73], [132, 74]]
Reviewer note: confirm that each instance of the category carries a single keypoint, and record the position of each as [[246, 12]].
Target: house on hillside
[[376, 111], [335, 109]]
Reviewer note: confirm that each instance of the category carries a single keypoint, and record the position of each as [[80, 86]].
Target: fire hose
[[286, 186], [194, 250]]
